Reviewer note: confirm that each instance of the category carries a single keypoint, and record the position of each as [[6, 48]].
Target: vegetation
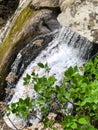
[[80, 90]]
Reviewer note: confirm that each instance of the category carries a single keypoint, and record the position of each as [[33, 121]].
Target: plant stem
[[69, 101]]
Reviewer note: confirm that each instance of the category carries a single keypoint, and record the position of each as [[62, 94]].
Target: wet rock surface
[[33, 37], [40, 22], [24, 58], [81, 16]]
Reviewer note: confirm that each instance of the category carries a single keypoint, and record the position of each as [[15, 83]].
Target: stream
[[66, 49]]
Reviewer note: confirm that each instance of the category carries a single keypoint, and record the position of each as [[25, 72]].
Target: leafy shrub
[[80, 90], [21, 108]]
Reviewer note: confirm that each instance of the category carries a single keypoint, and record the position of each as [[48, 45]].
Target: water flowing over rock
[[34, 35], [80, 16], [28, 24], [33, 48], [66, 49]]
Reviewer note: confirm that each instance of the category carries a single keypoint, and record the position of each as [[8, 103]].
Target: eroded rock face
[[37, 4], [29, 24], [37, 33], [81, 16]]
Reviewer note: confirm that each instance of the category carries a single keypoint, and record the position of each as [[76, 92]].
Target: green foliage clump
[[21, 108], [78, 89]]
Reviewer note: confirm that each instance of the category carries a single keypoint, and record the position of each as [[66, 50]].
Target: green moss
[[26, 13], [7, 45]]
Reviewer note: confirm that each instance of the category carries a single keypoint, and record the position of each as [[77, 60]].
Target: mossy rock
[[8, 48], [27, 25]]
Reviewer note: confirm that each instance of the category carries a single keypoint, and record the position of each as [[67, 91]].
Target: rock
[[3, 125], [40, 126], [8, 48], [37, 4], [11, 77], [8, 23], [1, 21], [2, 106], [38, 42], [80, 16], [65, 4], [7, 8], [28, 24]]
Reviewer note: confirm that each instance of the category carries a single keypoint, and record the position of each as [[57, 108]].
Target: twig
[[37, 117], [12, 123]]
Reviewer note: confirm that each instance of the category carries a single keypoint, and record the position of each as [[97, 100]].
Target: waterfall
[[66, 49]]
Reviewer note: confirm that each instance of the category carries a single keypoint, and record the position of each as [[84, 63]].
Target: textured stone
[[81, 16], [45, 3], [65, 4]]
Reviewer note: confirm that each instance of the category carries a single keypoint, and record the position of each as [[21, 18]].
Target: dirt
[[3, 125]]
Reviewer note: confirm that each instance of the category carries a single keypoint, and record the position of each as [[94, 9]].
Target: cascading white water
[[60, 54]]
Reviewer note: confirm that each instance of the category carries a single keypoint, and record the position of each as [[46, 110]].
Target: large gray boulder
[[80, 16]]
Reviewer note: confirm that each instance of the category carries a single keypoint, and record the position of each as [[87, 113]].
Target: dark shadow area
[[7, 8], [94, 51]]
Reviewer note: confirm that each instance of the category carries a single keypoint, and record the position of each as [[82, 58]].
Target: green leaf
[[13, 105], [41, 101], [24, 115], [28, 76], [74, 126], [27, 101], [41, 65], [27, 79], [51, 80], [83, 121], [90, 128], [22, 108], [14, 110], [37, 87]]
